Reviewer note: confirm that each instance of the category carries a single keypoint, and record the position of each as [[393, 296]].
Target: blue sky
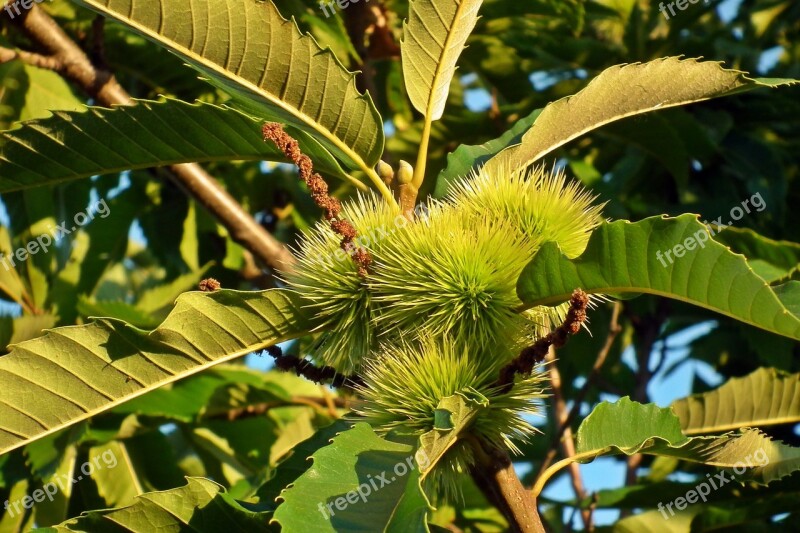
[[609, 473]]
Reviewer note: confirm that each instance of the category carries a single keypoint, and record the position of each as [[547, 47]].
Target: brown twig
[[648, 330], [369, 31], [614, 330], [329, 401], [317, 374], [64, 56], [275, 133], [567, 444], [36, 60], [528, 358], [537, 352]]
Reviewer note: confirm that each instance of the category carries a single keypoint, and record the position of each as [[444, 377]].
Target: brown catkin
[[275, 133], [306, 369], [535, 353]]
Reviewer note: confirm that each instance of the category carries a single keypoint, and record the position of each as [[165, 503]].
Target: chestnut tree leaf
[[618, 92], [628, 427], [106, 141], [200, 505], [763, 398], [453, 416], [73, 373], [359, 482], [775, 261], [433, 38], [670, 257], [272, 70]]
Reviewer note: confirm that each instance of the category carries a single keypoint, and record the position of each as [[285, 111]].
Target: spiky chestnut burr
[[542, 205], [452, 274], [404, 384], [326, 277]]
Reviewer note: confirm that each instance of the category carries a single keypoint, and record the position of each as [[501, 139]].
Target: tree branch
[[648, 330], [37, 60], [67, 58], [494, 475]]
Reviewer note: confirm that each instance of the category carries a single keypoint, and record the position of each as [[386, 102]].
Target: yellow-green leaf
[[434, 37], [765, 397], [200, 505], [623, 257], [628, 427], [73, 373], [271, 69], [623, 91]]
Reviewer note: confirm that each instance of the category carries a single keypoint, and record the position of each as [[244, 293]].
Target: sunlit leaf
[[623, 91], [73, 373], [434, 36], [271, 69], [355, 484], [763, 398], [670, 257]]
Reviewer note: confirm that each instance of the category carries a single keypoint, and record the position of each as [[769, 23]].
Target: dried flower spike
[[274, 132], [209, 285]]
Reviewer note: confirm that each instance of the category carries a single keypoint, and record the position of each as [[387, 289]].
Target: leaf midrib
[[611, 290], [158, 384], [756, 423], [159, 39], [442, 55]]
